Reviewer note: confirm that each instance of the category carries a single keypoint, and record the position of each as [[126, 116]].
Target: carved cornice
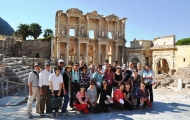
[[93, 14], [74, 10], [112, 17]]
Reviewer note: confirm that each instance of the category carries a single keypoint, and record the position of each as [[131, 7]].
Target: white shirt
[[56, 80], [149, 73], [44, 78], [103, 68], [91, 74]]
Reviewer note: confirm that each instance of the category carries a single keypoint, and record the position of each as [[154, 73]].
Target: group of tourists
[[89, 89]]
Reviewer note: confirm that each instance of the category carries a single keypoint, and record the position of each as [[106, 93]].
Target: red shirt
[[119, 93]]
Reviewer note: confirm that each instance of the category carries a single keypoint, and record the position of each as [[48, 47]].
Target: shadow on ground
[[157, 108]]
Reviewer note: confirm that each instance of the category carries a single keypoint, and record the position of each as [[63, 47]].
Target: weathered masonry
[[90, 37]]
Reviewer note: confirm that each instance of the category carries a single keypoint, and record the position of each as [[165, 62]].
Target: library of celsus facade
[[90, 37]]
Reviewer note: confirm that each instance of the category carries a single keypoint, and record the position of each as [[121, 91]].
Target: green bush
[[184, 41]]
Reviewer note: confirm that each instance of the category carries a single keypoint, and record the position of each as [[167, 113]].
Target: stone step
[[3, 78], [13, 67], [17, 73], [16, 78], [23, 80], [13, 64]]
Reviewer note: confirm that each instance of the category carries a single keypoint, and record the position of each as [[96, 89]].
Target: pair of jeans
[[74, 90], [149, 87], [65, 103]]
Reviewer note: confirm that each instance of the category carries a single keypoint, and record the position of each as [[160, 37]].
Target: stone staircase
[[16, 73]]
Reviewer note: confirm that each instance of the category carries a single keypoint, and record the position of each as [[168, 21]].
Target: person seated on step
[[118, 96], [92, 98], [142, 95], [128, 97], [81, 101], [105, 97]]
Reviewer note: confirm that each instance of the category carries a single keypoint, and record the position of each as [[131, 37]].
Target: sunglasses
[[57, 69], [104, 83], [92, 84], [84, 68], [61, 63]]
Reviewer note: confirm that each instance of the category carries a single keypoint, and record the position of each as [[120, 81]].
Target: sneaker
[[78, 112], [51, 115], [66, 113], [42, 115], [57, 114], [29, 115]]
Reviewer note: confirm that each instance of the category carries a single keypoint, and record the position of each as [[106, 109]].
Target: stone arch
[[135, 60], [162, 65]]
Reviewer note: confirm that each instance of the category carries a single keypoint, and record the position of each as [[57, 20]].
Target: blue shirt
[[148, 74], [97, 77], [75, 76]]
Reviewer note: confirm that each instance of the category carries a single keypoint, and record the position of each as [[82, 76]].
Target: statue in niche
[[63, 31], [119, 35], [102, 33], [82, 31]]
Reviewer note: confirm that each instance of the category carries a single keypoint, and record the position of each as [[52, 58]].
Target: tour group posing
[[92, 89]]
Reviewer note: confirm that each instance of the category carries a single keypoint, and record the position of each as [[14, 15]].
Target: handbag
[[56, 102]]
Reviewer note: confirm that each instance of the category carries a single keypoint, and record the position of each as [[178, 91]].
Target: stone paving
[[168, 105]]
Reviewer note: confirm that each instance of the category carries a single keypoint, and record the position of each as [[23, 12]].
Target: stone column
[[123, 54], [87, 31], [106, 57], [67, 53], [68, 27], [78, 51], [99, 52], [86, 54], [58, 50], [107, 29], [116, 52], [100, 28]]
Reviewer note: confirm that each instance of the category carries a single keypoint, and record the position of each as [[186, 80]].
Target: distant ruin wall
[[2, 65], [36, 48]]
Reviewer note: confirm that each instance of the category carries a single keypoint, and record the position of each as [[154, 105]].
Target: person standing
[[44, 89], [74, 83], [140, 71], [56, 86], [97, 77], [148, 77], [91, 71], [61, 65], [67, 77], [84, 78], [106, 62], [108, 76], [115, 64], [34, 92], [118, 77]]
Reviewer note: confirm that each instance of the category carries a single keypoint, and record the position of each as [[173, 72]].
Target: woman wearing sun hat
[[67, 82]]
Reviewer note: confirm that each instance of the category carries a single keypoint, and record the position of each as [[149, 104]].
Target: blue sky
[[147, 19]]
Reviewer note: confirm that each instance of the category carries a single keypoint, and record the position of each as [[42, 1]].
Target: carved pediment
[[74, 10], [112, 17], [93, 14]]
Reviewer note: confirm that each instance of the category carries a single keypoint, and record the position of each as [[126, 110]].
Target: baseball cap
[[47, 63], [36, 64], [61, 60]]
